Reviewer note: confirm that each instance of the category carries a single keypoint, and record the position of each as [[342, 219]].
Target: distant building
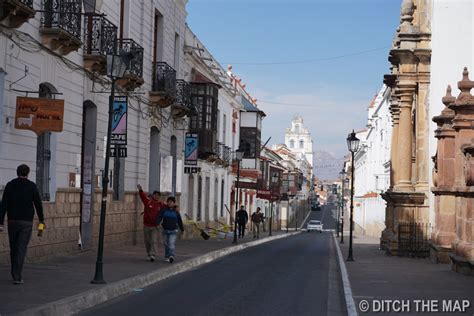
[[372, 166], [298, 140]]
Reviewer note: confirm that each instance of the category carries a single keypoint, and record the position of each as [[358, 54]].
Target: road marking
[[350, 305]]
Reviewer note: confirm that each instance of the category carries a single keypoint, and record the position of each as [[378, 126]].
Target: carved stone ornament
[[469, 164], [465, 85]]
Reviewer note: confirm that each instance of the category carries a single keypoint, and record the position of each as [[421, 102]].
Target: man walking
[[242, 217], [170, 220], [152, 207], [257, 218], [20, 200]]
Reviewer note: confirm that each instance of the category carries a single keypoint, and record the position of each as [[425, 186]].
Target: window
[[292, 143], [176, 52], [204, 97], [199, 200], [250, 142], [224, 127], [297, 128], [158, 37], [216, 198], [301, 144], [222, 198]]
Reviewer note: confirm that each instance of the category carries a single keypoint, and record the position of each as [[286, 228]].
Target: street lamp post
[[340, 219], [353, 145], [239, 153], [116, 67]]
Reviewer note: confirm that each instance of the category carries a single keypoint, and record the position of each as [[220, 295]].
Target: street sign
[[122, 152], [119, 121], [191, 149], [39, 115]]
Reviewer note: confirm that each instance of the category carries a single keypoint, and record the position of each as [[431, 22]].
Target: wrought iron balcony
[[164, 86], [226, 155], [16, 12], [134, 76], [99, 40], [182, 104], [61, 24]]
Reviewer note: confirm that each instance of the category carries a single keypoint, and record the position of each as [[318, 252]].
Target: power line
[[308, 60]]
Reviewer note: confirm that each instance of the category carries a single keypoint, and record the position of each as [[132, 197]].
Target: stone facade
[[123, 226], [454, 180], [407, 198]]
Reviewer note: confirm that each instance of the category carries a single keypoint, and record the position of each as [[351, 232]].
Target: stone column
[[444, 230], [462, 255], [404, 180], [422, 122]]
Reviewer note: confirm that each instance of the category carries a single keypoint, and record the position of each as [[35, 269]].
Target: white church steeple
[[298, 140]]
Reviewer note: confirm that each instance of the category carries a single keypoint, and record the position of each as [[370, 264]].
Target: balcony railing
[[164, 79], [28, 3], [62, 14], [183, 93], [226, 154], [100, 35], [135, 67]]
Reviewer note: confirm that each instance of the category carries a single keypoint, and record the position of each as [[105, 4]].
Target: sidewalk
[[375, 276], [68, 276]]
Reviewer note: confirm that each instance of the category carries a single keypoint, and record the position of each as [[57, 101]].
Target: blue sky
[[335, 90]]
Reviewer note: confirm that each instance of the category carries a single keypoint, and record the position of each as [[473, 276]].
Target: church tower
[[298, 140]]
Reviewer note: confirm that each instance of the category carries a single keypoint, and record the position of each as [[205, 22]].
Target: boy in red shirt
[[152, 207]]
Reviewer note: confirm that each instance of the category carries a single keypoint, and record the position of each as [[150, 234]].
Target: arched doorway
[[154, 162], [174, 166], [88, 152], [43, 151]]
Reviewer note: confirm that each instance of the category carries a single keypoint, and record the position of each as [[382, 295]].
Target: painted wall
[[452, 49]]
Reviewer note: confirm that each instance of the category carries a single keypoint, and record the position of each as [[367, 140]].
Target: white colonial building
[[372, 166], [60, 54]]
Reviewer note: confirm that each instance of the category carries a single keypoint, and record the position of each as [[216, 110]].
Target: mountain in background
[[326, 166]]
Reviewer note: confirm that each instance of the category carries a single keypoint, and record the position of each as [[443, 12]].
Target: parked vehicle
[[314, 225]]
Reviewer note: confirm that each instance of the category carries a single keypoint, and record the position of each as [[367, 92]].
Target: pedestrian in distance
[[257, 218], [20, 200], [170, 221], [242, 217], [152, 206]]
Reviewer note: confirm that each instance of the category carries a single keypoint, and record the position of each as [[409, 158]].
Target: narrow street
[[290, 276]]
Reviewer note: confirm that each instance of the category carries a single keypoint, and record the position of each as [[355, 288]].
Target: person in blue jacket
[[170, 220]]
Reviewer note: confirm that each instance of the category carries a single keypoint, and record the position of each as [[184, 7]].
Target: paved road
[[292, 276]]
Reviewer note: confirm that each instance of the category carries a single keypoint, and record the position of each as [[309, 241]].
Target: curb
[[350, 304], [85, 300]]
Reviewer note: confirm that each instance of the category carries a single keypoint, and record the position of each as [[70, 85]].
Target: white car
[[314, 225]]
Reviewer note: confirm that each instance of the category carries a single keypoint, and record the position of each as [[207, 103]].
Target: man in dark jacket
[[20, 200], [242, 217], [152, 207], [170, 221]]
